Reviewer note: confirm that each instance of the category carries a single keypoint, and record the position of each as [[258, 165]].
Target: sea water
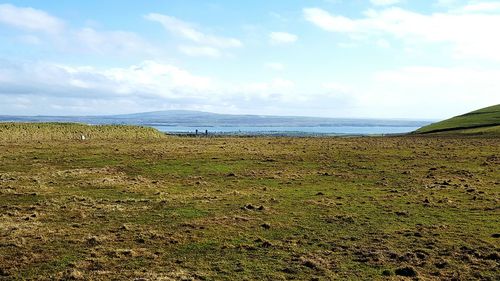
[[326, 130]]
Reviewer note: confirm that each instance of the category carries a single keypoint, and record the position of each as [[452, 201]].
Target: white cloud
[[203, 51], [189, 32], [384, 2], [277, 38], [384, 44], [114, 42], [279, 91], [416, 92], [154, 83], [329, 22], [29, 39], [62, 89], [30, 19], [49, 31], [480, 7], [278, 17], [337, 87], [435, 76], [156, 78], [275, 66], [472, 35], [445, 3], [441, 91], [54, 88], [149, 78], [266, 88], [282, 84]]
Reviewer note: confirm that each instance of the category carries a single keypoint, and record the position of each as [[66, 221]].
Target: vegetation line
[[457, 129]]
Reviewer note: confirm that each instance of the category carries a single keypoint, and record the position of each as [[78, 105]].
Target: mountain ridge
[[200, 118]]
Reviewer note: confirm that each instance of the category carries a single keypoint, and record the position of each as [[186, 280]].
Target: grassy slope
[[179, 209], [476, 122], [22, 132]]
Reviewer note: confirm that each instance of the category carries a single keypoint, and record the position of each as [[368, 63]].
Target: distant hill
[[206, 119], [482, 121]]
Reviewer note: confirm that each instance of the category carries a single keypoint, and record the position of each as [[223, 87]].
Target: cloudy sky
[[426, 59]]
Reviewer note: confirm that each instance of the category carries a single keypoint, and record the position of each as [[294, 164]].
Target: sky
[[405, 59]]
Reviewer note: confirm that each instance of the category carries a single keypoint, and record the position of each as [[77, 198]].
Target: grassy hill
[[19, 132], [482, 121]]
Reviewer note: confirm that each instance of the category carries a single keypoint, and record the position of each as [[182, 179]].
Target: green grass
[[174, 208], [487, 131], [484, 121], [19, 132]]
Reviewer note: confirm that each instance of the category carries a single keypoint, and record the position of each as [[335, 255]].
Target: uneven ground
[[251, 209]]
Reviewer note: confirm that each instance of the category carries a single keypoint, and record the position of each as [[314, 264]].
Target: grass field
[[179, 208], [22, 132], [484, 121]]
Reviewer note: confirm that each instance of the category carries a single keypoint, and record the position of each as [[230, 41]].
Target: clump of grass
[[22, 132]]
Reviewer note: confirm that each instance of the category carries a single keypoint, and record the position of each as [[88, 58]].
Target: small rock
[[127, 252], [402, 213], [421, 255], [73, 274], [309, 264], [124, 227], [266, 226], [441, 264], [406, 271], [249, 207], [93, 241], [3, 272], [290, 270], [267, 244], [239, 268], [493, 256], [387, 273]]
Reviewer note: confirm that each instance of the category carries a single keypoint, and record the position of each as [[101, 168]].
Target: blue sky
[[365, 58]]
